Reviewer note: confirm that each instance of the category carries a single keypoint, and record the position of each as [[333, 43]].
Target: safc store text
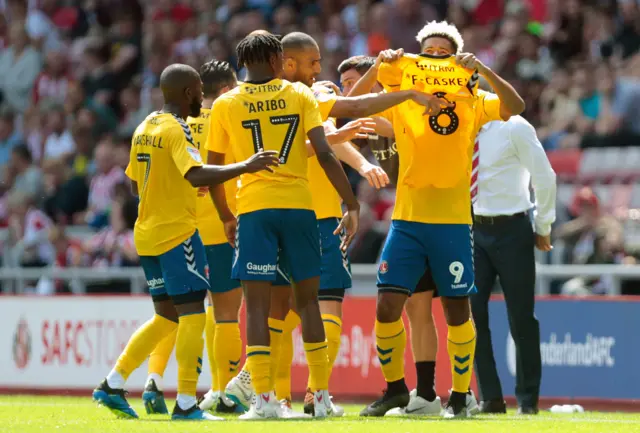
[[84, 343]]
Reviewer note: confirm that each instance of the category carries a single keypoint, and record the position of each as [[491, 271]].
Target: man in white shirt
[[507, 158]]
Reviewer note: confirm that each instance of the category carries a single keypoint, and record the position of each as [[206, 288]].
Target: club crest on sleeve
[[195, 154]]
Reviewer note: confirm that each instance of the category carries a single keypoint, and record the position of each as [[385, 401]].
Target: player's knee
[[389, 306], [331, 306], [280, 302], [166, 309], [226, 306], [456, 310]]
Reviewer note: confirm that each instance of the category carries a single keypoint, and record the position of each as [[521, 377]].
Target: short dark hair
[[360, 63], [298, 41], [215, 75], [23, 152], [257, 48]]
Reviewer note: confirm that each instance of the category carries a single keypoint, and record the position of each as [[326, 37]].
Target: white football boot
[[417, 406], [263, 406], [322, 406], [287, 411], [210, 400], [240, 390]]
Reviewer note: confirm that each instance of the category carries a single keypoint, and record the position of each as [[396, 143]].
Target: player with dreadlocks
[[275, 217]]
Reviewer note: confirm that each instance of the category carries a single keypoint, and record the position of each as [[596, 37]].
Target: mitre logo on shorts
[[155, 282], [206, 271], [384, 267], [255, 269]]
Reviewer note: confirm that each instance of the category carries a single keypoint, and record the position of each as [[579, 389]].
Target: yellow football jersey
[[267, 116], [162, 152], [443, 139], [326, 200], [435, 167], [210, 226]]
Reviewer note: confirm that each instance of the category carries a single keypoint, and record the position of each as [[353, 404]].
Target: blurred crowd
[[77, 76]]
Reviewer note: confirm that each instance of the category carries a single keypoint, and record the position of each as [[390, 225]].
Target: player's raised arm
[[511, 103]]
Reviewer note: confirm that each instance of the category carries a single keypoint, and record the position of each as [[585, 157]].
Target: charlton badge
[[384, 267]]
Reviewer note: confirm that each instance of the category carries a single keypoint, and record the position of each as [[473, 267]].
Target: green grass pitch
[[28, 414]]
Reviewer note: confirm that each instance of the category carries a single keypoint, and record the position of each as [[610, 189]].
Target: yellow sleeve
[[129, 172], [488, 108], [390, 75], [326, 101], [218, 139], [183, 152], [310, 110]]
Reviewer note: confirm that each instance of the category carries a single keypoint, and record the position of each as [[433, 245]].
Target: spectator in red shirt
[[52, 83], [102, 189]]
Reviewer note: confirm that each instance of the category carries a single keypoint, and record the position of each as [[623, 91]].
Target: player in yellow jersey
[[431, 223], [165, 167], [359, 74], [275, 210], [302, 64], [222, 331]]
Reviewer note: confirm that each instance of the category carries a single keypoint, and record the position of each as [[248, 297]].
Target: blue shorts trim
[[180, 271], [335, 269], [411, 248], [269, 239], [220, 260]]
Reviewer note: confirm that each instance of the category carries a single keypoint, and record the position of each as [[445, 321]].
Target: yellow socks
[[159, 358], [461, 345], [189, 345], [391, 340], [142, 343], [275, 334], [283, 373], [259, 364], [333, 330], [228, 350], [210, 335], [318, 362]]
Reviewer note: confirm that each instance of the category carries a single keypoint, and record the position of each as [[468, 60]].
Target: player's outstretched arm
[[210, 175], [347, 153], [367, 105], [338, 178]]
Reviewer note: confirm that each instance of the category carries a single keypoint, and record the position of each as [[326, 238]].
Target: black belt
[[491, 220]]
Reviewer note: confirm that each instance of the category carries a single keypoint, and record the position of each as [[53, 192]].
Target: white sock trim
[[115, 380]]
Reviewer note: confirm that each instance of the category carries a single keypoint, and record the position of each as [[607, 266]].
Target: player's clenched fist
[[469, 61], [262, 161]]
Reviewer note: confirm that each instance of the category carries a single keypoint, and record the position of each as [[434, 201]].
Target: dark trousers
[[505, 250]]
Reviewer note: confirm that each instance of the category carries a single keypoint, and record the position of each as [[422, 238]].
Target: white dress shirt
[[511, 157]]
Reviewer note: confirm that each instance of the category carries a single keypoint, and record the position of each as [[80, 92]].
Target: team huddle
[[242, 196]]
